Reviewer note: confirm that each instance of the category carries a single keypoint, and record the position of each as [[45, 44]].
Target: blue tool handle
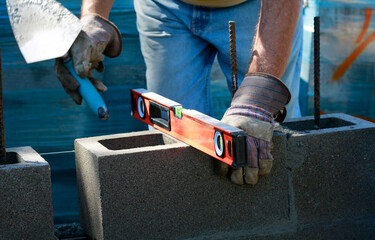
[[88, 92]]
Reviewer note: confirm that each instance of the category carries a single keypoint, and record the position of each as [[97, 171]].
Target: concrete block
[[25, 196], [332, 169], [146, 185]]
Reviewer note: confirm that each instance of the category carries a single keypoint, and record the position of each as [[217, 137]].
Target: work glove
[[97, 38], [255, 104]]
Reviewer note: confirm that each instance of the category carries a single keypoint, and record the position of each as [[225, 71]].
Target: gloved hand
[[259, 98], [98, 37]]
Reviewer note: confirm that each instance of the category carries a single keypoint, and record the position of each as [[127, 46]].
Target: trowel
[[44, 29]]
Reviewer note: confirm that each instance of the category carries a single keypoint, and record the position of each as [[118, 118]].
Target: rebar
[[233, 56], [317, 72], [2, 138]]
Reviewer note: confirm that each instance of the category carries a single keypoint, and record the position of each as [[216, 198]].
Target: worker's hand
[[259, 98], [98, 37]]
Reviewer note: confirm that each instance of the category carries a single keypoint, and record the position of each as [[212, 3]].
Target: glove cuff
[[264, 91], [108, 32]]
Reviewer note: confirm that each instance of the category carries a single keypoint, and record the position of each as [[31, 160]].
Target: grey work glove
[[98, 37], [259, 98]]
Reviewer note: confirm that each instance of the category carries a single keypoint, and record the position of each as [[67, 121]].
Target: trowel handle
[[88, 92]]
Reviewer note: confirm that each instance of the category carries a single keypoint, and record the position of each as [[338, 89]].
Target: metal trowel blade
[[44, 29]]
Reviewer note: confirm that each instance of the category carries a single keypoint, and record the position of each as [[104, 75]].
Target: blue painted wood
[[64, 189], [341, 23]]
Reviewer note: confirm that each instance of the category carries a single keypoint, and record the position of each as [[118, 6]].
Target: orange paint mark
[[366, 24], [352, 57]]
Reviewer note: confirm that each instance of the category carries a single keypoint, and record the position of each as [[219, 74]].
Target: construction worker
[[179, 41]]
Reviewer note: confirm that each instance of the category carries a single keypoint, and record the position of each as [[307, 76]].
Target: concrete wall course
[[171, 192], [145, 185]]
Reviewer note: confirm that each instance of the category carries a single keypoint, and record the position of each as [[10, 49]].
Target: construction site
[[127, 159]]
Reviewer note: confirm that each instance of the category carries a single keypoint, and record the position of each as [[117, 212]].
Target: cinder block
[[333, 168], [146, 185], [25, 196]]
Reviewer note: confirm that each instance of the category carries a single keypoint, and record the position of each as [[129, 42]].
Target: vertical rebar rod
[[316, 72], [233, 56], [2, 138]]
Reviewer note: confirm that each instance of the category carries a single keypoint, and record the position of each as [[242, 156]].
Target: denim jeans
[[179, 43]]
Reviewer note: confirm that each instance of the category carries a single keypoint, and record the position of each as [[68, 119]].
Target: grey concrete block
[[25, 196], [333, 168], [146, 185]]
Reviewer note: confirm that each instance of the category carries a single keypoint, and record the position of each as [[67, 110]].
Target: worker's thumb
[[86, 55]]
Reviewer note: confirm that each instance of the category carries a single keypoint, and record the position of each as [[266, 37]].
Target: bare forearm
[[275, 32], [101, 7]]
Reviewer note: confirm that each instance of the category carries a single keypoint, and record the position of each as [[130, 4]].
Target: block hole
[[12, 158], [324, 123], [137, 141]]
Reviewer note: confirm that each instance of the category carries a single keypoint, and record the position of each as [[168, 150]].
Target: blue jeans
[[179, 43]]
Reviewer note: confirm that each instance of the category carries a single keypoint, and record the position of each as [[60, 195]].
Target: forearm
[[274, 37], [101, 7]]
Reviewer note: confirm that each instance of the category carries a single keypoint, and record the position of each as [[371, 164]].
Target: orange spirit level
[[217, 139]]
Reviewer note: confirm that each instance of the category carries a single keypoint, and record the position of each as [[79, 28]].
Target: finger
[[251, 175], [265, 166], [252, 145], [251, 172], [97, 84], [80, 52], [236, 176], [221, 168], [265, 157], [76, 96], [100, 67], [66, 79], [69, 83]]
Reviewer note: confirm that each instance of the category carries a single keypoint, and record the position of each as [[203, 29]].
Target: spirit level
[[217, 139]]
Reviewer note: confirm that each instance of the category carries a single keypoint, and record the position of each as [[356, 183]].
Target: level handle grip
[[159, 115], [88, 92]]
